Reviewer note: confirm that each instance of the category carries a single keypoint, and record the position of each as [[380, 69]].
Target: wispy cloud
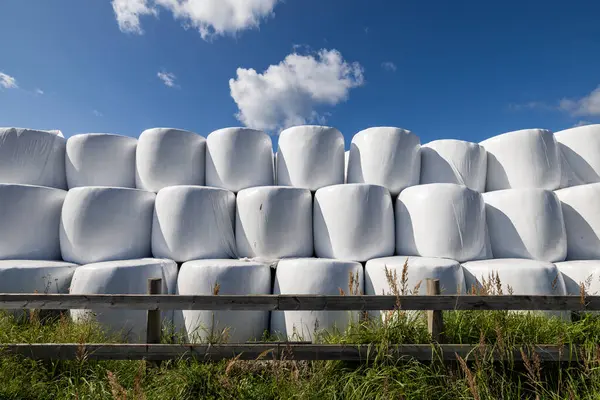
[[532, 105], [39, 92], [389, 66], [210, 17], [97, 113], [588, 105], [7, 81], [168, 78], [289, 93], [581, 123]]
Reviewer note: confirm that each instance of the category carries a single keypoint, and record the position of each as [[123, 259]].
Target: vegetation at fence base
[[384, 378]]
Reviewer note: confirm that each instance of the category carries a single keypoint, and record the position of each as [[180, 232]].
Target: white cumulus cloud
[[288, 93], [168, 78], [209, 17], [389, 66], [586, 106], [7, 81]]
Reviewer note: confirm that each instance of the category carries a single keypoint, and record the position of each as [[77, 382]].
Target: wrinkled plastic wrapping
[[239, 158], [517, 277], [454, 161], [193, 222], [316, 276], [353, 222], [123, 277], [29, 220], [169, 157], [385, 156], [310, 157], [223, 277], [105, 224], [526, 223], [440, 220], [100, 159], [581, 274], [581, 213], [32, 157], [580, 155], [527, 158], [274, 222]]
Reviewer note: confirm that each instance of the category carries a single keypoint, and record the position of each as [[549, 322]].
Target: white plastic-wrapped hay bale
[[193, 222], [526, 223], [440, 220], [100, 159], [123, 277], [32, 157], [29, 221], [239, 158], [516, 277], [454, 161], [384, 276], [581, 213], [353, 222], [223, 277], [310, 157], [35, 276], [315, 276], [581, 274], [274, 222], [580, 155], [528, 158], [104, 224], [385, 156], [169, 157], [419, 269]]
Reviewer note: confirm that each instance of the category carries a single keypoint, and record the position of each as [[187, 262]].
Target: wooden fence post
[[153, 325], [435, 322]]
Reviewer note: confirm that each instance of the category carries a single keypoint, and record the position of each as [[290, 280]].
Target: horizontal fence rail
[[284, 351], [298, 302]]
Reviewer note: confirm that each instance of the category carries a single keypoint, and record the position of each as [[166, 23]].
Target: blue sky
[[466, 70]]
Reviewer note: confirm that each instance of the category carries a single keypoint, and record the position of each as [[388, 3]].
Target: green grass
[[384, 378]]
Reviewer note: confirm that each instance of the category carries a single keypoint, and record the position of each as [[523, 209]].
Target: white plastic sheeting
[[385, 156], [34, 276], [100, 159], [517, 277], [454, 161], [440, 220], [193, 222], [29, 220], [105, 224], [353, 222], [274, 222], [169, 157], [310, 157], [581, 212], [32, 157], [528, 158], [315, 276], [581, 274], [239, 158], [123, 277], [223, 277], [580, 155], [526, 223]]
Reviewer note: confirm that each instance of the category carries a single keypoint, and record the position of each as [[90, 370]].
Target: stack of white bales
[[32, 183], [523, 216]]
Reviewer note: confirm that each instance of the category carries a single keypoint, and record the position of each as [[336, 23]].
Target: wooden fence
[[433, 303]]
